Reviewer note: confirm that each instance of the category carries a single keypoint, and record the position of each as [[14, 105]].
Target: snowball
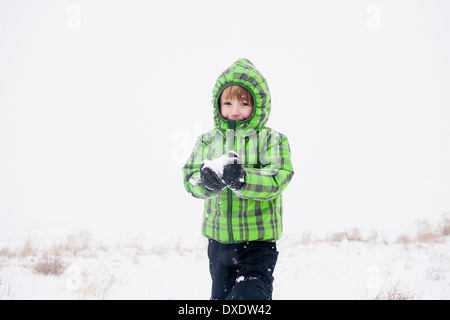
[[218, 164]]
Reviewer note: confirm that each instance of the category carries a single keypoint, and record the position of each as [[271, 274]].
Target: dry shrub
[[95, 283], [132, 248], [354, 235], [351, 235], [305, 239], [50, 265], [159, 251], [26, 250], [7, 253], [372, 237], [394, 294], [74, 244], [424, 233], [427, 233], [336, 237], [444, 226], [435, 274], [403, 239]]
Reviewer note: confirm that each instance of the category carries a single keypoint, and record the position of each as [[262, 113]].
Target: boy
[[241, 167]]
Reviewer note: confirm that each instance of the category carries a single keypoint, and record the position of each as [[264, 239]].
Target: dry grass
[[403, 239], [444, 226], [435, 274], [354, 235], [305, 239], [424, 233], [427, 233], [178, 247], [26, 250], [75, 244], [50, 265], [6, 253], [50, 261], [351, 235], [132, 248], [95, 283], [336, 237], [394, 294]]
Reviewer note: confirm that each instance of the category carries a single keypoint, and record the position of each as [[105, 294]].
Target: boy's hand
[[210, 179], [233, 173]]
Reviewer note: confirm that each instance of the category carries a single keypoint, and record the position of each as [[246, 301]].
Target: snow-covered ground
[[84, 266]]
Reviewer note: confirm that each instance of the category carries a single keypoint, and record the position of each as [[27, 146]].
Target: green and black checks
[[255, 211]]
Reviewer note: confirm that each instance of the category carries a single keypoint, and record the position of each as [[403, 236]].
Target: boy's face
[[233, 109]]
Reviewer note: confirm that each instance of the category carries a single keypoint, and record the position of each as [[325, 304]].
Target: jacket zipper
[[231, 125], [229, 215]]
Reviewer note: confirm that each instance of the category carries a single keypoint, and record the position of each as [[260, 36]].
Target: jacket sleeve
[[269, 181], [191, 171]]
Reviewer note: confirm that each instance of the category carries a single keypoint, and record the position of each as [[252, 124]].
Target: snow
[[216, 165], [134, 267], [194, 181], [219, 163]]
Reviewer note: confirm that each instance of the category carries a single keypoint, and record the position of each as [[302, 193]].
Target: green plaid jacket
[[255, 211]]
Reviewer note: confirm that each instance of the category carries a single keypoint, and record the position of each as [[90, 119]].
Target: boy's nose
[[235, 111]]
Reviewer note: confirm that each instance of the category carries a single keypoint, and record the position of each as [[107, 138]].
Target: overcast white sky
[[100, 102]]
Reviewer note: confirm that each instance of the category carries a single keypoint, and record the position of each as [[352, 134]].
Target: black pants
[[242, 271]]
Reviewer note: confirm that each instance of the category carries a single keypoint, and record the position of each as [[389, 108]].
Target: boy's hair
[[236, 92]]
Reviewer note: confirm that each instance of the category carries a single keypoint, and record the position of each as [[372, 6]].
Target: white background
[[100, 103]]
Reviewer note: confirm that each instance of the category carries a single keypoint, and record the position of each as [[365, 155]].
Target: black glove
[[211, 179], [233, 173]]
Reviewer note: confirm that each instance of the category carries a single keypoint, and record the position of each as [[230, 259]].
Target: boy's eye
[[245, 104], [227, 103]]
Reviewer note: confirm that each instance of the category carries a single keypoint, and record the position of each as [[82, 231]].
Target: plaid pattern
[[255, 211]]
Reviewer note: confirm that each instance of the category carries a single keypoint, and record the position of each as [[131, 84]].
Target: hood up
[[244, 74]]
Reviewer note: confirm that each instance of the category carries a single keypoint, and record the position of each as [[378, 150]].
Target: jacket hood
[[244, 74]]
